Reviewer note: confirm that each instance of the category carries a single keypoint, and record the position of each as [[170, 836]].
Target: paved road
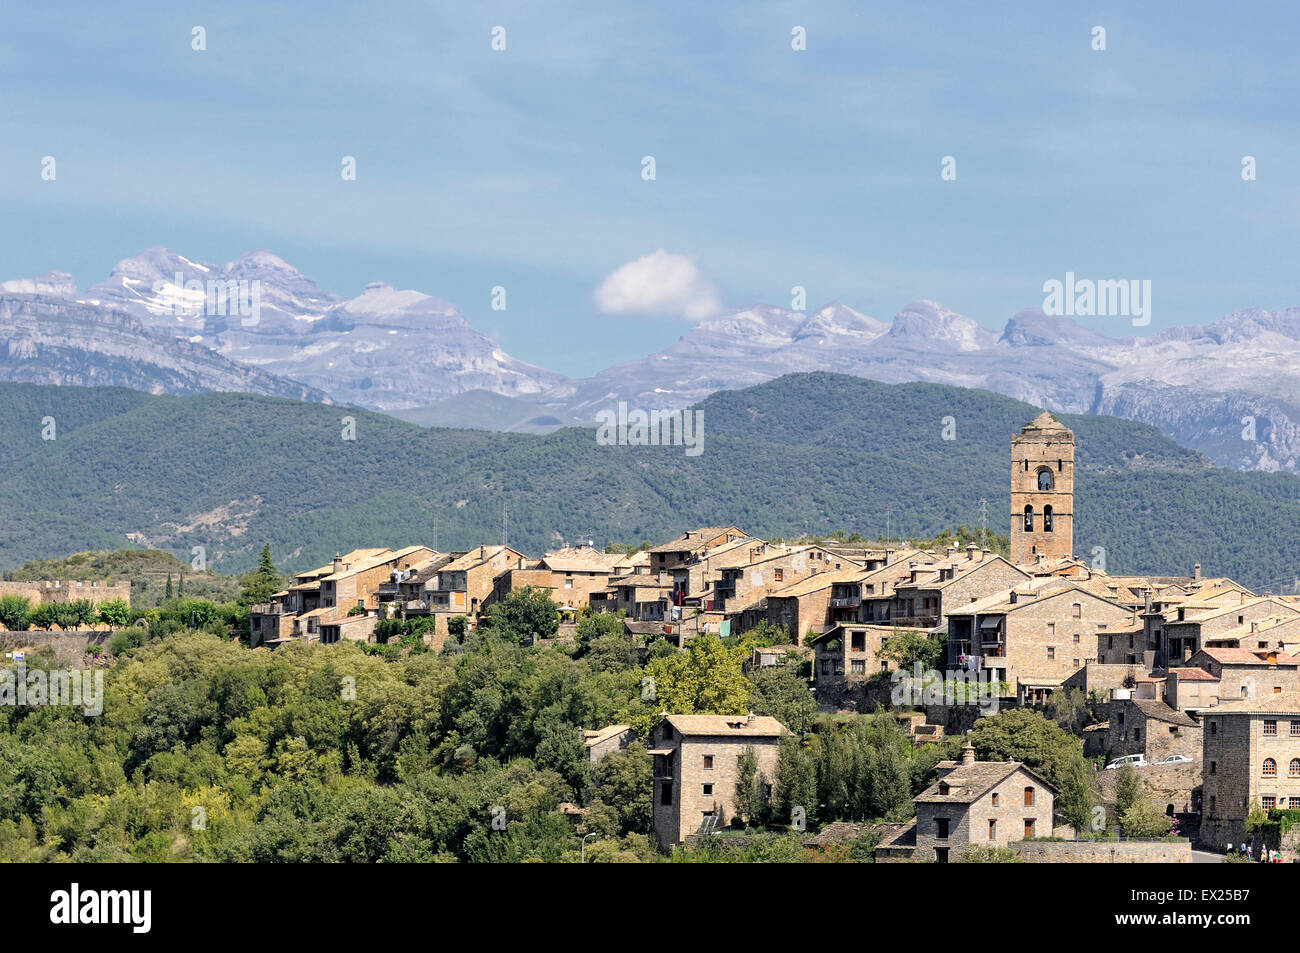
[[1205, 857]]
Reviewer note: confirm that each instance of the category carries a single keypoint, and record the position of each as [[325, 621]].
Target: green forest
[[804, 455], [208, 751]]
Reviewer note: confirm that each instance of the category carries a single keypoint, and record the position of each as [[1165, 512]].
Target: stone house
[[1194, 627], [329, 593], [847, 657], [1251, 759], [1033, 637], [1191, 690], [988, 803], [750, 573], [806, 606], [607, 740], [1243, 673], [696, 766], [668, 556], [933, 588], [1151, 728]]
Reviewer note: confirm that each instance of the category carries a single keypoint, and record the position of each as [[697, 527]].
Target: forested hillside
[[812, 453]]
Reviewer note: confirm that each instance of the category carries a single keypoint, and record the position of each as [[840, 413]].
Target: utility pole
[[984, 518]]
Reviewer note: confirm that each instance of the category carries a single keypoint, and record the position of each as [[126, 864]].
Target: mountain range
[[1229, 390], [803, 454]]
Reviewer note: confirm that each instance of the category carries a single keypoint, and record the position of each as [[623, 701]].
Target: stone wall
[[69, 647], [66, 590], [1104, 852], [1176, 784]]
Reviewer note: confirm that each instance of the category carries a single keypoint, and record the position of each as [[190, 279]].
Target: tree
[[1144, 819], [115, 613], [707, 679], [1045, 748], [906, 648], [1128, 790], [260, 584], [622, 784], [44, 616], [14, 611], [167, 592], [748, 802], [527, 611]]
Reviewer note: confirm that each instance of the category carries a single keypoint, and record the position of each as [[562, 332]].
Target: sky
[[774, 167]]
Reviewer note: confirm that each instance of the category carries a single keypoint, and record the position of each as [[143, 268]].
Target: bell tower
[[1042, 491]]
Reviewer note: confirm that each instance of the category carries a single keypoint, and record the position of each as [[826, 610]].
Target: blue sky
[[775, 168]]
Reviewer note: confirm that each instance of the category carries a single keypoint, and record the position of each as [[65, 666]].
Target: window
[[1051, 651], [1047, 519], [1212, 805], [666, 793], [1268, 802], [1214, 767], [858, 666], [941, 855], [1270, 727], [995, 800], [1293, 803], [1029, 827], [859, 641], [1076, 611], [1044, 479], [1214, 726], [780, 575], [707, 790], [708, 762], [1295, 728], [941, 828], [993, 830], [1029, 797], [1293, 769], [1270, 768], [1029, 519], [568, 582], [1076, 637]]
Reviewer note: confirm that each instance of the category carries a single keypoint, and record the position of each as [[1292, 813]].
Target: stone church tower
[[1042, 491]]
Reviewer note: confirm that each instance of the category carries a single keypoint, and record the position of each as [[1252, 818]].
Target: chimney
[[889, 557], [1146, 599], [1041, 557], [968, 755], [970, 551], [482, 552], [950, 551], [750, 719], [1196, 571], [338, 562]]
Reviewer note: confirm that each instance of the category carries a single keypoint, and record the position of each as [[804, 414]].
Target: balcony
[[845, 602]]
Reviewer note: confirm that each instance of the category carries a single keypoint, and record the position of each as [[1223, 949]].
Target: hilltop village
[[1181, 691]]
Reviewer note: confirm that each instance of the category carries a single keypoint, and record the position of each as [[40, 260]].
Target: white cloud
[[659, 284]]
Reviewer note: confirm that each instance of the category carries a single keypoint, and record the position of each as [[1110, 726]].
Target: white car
[[1175, 759], [1133, 760]]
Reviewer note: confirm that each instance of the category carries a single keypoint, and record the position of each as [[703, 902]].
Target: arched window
[[1045, 480], [1270, 768], [1294, 770], [1047, 519], [1029, 519]]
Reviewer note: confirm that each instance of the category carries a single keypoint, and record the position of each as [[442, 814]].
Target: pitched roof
[[745, 726], [1162, 712], [693, 539], [603, 734], [819, 581], [969, 782], [1281, 703], [1193, 675], [1229, 656]]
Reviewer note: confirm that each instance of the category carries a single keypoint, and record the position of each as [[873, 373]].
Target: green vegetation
[[148, 570], [805, 454]]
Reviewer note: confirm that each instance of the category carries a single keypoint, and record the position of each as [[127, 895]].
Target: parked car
[[1175, 759], [1133, 760]]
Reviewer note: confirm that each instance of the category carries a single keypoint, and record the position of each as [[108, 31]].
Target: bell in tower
[[1042, 492]]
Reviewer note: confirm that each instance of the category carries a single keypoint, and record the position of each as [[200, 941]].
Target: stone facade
[[1251, 759], [1105, 852], [983, 803], [1042, 491], [66, 590], [696, 760], [1152, 729]]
